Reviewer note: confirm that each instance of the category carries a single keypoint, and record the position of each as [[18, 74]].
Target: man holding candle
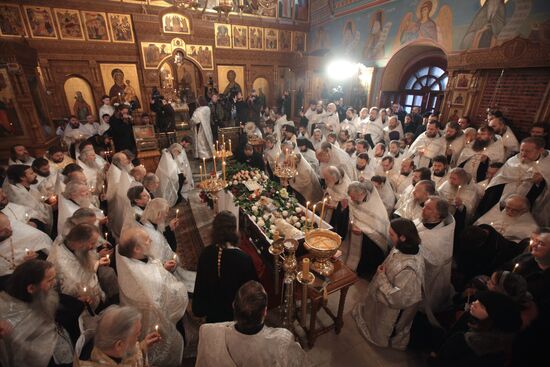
[[247, 341], [148, 284], [478, 154], [411, 208]]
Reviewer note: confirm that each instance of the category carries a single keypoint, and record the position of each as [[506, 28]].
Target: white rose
[[266, 216], [254, 208], [298, 210], [287, 205], [303, 219], [253, 218], [295, 218], [273, 227], [297, 224], [235, 182], [272, 231], [260, 223], [285, 213]]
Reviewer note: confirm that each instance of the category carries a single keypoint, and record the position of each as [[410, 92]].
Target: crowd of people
[[448, 222]]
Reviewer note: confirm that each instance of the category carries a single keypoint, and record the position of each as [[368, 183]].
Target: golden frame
[[26, 8], [167, 52], [222, 77], [275, 38], [261, 37], [240, 29], [21, 21], [105, 19], [181, 17], [60, 11], [189, 54], [123, 16], [296, 34], [217, 28], [280, 44]]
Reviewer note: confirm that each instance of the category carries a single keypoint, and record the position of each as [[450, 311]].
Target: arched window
[[424, 87]]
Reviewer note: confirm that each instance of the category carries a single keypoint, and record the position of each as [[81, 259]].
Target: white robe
[[34, 338], [31, 199], [372, 219], [119, 204], [105, 109], [46, 185], [374, 128], [391, 302], [17, 161], [456, 146], [409, 209], [512, 228], [18, 212], [270, 155], [162, 300], [437, 250], [387, 132], [72, 135], [167, 172], [202, 132], [430, 146], [468, 194], [400, 183], [73, 277], [306, 182], [470, 159], [363, 175], [510, 142], [23, 237], [66, 209], [387, 195], [439, 180], [518, 179], [339, 158], [94, 176], [311, 158], [222, 345], [279, 123]]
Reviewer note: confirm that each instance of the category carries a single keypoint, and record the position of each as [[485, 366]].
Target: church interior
[[274, 182]]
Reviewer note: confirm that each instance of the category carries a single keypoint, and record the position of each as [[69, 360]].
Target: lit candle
[[305, 223], [156, 328], [200, 167], [458, 191], [204, 163], [108, 256], [313, 215], [215, 168], [175, 257], [230, 145], [84, 289], [223, 169], [27, 251], [177, 213], [515, 267], [322, 211], [305, 267]]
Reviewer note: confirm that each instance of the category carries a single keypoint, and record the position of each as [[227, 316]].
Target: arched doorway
[[416, 76], [80, 98], [180, 78]]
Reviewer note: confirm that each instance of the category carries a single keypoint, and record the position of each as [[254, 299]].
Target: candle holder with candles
[[287, 168], [211, 183]]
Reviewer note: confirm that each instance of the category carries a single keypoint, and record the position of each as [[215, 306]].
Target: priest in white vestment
[[461, 193], [455, 140], [485, 149], [46, 177], [373, 129], [394, 294], [440, 171], [19, 242], [337, 183], [93, 172], [307, 151], [411, 207], [385, 191], [404, 179], [526, 174], [15, 211], [33, 338], [20, 155], [363, 169], [369, 242], [317, 138], [18, 189], [202, 132], [75, 196], [272, 152], [306, 182], [436, 230], [247, 341], [509, 140], [58, 158], [149, 285], [427, 145], [513, 221], [329, 155], [74, 132]]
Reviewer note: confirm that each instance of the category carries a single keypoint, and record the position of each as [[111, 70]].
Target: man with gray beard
[[92, 171], [116, 340], [29, 306], [76, 195], [76, 263]]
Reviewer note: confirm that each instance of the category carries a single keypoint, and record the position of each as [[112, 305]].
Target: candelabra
[[287, 168], [284, 254], [211, 183]]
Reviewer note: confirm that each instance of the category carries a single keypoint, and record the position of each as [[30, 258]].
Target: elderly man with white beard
[[369, 225], [116, 339], [306, 183], [411, 207], [436, 229], [329, 155], [76, 262], [19, 242], [76, 195], [148, 284], [462, 196], [526, 174], [478, 154], [29, 307], [118, 183], [509, 140], [94, 174], [427, 145], [18, 188], [511, 218]]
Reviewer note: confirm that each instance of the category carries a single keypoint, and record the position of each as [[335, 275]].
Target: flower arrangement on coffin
[[269, 205]]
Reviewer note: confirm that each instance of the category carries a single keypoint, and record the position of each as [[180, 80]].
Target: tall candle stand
[[286, 169]]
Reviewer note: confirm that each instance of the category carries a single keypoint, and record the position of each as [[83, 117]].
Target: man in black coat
[[121, 130]]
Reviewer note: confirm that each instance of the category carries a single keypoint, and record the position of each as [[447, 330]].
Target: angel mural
[[426, 26]]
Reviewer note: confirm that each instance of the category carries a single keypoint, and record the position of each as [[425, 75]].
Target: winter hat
[[502, 310]]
